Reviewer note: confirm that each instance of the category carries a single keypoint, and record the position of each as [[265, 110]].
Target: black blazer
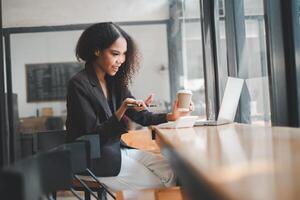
[[88, 112]]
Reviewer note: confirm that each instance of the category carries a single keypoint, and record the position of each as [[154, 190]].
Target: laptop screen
[[230, 99]]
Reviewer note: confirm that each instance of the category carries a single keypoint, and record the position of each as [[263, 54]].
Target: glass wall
[[296, 27], [38, 57], [221, 47], [252, 62], [40, 73], [40, 76], [193, 76], [42, 59]]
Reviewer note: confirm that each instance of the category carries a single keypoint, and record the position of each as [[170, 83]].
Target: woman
[[97, 102]]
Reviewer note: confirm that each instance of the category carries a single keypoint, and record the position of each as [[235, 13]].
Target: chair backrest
[[38, 175], [54, 123], [94, 141], [94, 146], [11, 187], [55, 170], [79, 154], [28, 169], [43, 141]]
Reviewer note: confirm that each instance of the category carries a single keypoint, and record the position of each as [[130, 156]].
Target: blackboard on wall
[[48, 81]]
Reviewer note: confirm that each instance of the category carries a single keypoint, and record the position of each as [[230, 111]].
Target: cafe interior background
[[183, 44]]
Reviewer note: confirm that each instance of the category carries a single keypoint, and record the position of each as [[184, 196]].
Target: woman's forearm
[[171, 117], [121, 111]]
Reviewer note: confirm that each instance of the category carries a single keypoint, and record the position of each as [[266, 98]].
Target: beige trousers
[[141, 170]]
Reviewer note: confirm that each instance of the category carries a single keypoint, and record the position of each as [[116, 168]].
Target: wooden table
[[235, 161], [141, 139]]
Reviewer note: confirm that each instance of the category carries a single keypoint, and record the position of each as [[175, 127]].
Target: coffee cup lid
[[185, 91]]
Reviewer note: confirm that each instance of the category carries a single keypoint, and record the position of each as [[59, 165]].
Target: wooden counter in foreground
[[235, 161]]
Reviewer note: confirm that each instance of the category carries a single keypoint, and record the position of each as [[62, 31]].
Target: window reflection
[[49, 53]]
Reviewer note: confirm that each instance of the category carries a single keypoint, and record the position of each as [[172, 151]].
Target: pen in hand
[[130, 105]]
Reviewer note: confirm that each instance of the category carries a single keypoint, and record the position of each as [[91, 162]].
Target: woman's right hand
[[175, 114]]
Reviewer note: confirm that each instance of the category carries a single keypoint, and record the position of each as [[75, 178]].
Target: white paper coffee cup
[[184, 98]]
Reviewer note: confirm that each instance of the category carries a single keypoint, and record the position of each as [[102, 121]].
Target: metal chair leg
[[54, 195], [102, 194], [87, 195], [103, 186]]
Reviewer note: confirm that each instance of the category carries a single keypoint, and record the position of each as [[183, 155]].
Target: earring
[[97, 53]]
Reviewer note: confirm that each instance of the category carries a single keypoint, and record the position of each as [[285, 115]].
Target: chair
[[11, 187], [44, 141], [94, 143], [36, 177], [54, 123], [80, 157]]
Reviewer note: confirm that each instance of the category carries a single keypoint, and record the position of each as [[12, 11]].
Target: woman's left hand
[[149, 100], [140, 106], [176, 113], [143, 105]]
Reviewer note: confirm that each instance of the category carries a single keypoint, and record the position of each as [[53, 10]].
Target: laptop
[[230, 101], [182, 122]]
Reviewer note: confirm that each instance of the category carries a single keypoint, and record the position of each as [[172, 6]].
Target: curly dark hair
[[101, 36]]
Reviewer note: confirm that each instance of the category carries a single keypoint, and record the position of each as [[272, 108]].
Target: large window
[[255, 59], [193, 76], [185, 44], [42, 59], [252, 61], [221, 47]]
